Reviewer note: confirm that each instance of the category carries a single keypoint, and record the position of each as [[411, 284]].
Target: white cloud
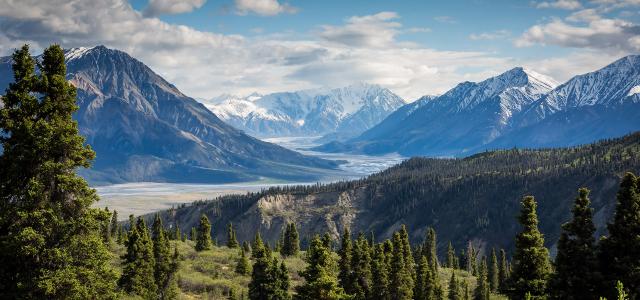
[[494, 35], [367, 31], [263, 7], [161, 7], [562, 68], [560, 4]]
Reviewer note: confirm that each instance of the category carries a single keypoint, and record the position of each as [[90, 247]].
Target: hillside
[[471, 199]]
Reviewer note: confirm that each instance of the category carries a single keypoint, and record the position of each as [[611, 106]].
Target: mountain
[[144, 129], [469, 115], [338, 113], [472, 199]]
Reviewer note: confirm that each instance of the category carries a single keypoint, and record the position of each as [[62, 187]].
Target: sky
[[414, 48]]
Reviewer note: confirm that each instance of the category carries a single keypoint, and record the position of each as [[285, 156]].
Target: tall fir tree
[[242, 264], [262, 285], [320, 279], [576, 264], [454, 288], [165, 265], [232, 242], [430, 248], [400, 281], [531, 266], [139, 264], [379, 274], [294, 241], [451, 257], [114, 224], [503, 271], [345, 277], [424, 287], [194, 234], [203, 240], [50, 243], [482, 285], [361, 265], [620, 250], [494, 272]]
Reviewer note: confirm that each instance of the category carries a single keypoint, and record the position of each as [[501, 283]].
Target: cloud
[[611, 5], [560, 4], [588, 30], [562, 68], [364, 31], [445, 19], [263, 7], [494, 35], [162, 7]]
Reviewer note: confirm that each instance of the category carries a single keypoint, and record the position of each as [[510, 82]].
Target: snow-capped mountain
[[519, 108], [144, 129], [346, 111], [468, 115]]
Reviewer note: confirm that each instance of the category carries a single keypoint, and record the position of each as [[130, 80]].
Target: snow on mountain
[[348, 110]]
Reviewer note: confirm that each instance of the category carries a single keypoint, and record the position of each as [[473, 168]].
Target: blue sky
[[210, 47]]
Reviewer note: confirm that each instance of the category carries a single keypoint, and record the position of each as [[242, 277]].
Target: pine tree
[[194, 234], [242, 265], [454, 288], [320, 280], [294, 241], [620, 254], [114, 224], [379, 274], [282, 281], [177, 235], [401, 282], [139, 263], [203, 241], [50, 243], [576, 262], [345, 272], [531, 267], [262, 285], [409, 263], [164, 269], [451, 257], [494, 276], [232, 242], [423, 289], [361, 272], [430, 248], [482, 287], [503, 271]]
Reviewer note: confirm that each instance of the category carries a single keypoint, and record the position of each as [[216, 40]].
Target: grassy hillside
[[472, 199]]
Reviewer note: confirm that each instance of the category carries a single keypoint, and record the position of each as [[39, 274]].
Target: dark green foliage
[[455, 292], [291, 243], [114, 226], [165, 264], [451, 257], [327, 241], [345, 276], [242, 265], [320, 279], [50, 238], [424, 287], [531, 267], [620, 255], [261, 286], [400, 281], [494, 272], [576, 265], [430, 248], [361, 268], [482, 285], [194, 234], [503, 271], [176, 233], [203, 240], [379, 274], [139, 263], [232, 242]]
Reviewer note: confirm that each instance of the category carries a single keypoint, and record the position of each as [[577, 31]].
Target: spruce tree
[[327, 241], [620, 250], [531, 267], [576, 264], [262, 285], [164, 269], [139, 264], [451, 256], [400, 281], [454, 288], [232, 242], [423, 289], [320, 279], [482, 286], [503, 271], [203, 241], [494, 276], [50, 243], [242, 265], [294, 241], [430, 248], [194, 234], [345, 277], [379, 274], [361, 265], [177, 235], [114, 224]]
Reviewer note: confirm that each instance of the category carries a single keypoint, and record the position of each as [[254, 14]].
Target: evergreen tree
[[203, 241], [282, 282], [379, 274], [194, 234], [361, 266], [50, 243], [114, 224], [423, 289], [494, 276], [409, 263], [576, 263], [503, 271], [320, 281], [139, 263], [242, 265], [327, 241], [531, 268], [177, 235], [454, 288], [451, 257], [232, 242], [262, 285], [345, 277], [246, 247], [482, 286], [620, 254], [430, 248], [400, 281], [293, 246], [165, 268]]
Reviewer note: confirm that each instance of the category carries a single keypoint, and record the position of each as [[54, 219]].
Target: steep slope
[[467, 116], [471, 199], [342, 112], [144, 129]]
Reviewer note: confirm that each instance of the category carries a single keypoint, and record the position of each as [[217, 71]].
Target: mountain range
[[144, 129], [519, 108], [334, 113]]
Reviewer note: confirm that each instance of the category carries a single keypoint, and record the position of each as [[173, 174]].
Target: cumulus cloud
[[586, 30], [494, 35], [263, 7], [560, 4], [364, 31], [161, 7]]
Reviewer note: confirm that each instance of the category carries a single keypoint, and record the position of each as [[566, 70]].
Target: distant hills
[[334, 113], [473, 199], [144, 129], [519, 108]]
